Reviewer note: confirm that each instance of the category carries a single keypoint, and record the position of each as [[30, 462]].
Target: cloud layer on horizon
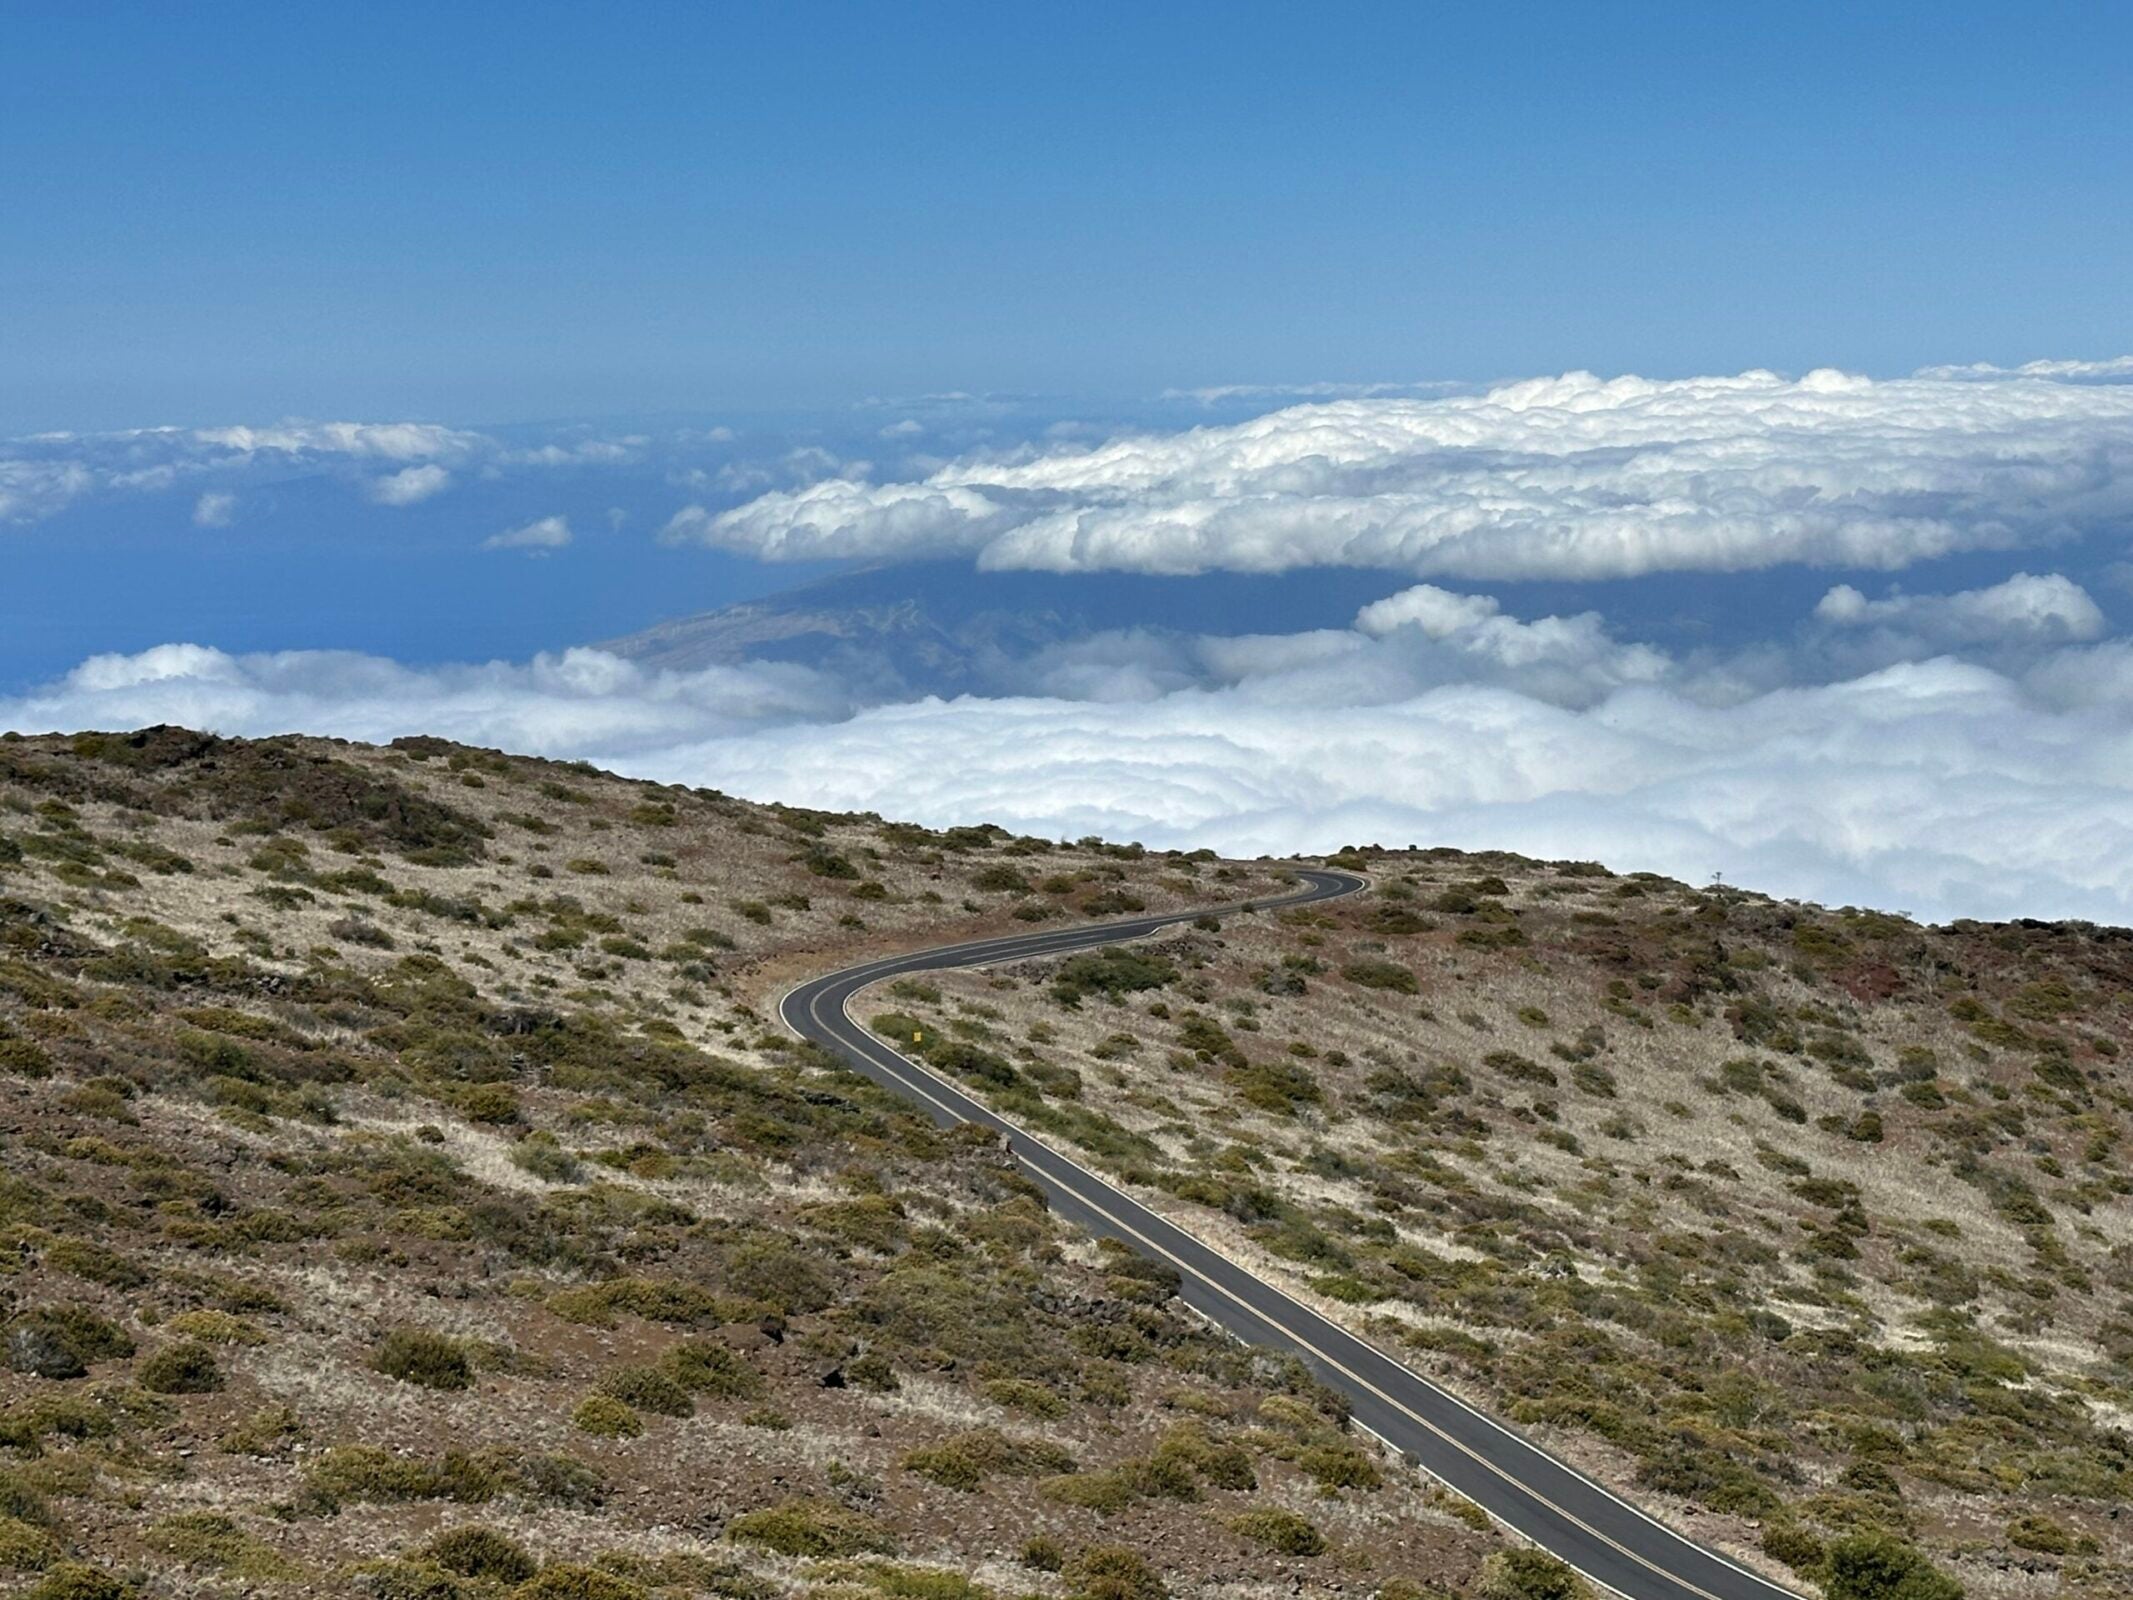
[[1925, 782], [1575, 478]]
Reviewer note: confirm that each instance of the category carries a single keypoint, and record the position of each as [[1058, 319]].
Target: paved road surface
[[1559, 1509]]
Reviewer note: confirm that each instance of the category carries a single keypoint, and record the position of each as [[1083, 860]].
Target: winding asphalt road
[[1602, 1535]]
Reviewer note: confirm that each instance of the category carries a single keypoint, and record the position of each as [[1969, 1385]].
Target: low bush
[[63, 1342], [75, 1580], [816, 1528], [965, 1461], [210, 1539], [568, 1580], [1374, 972], [418, 1356], [605, 1417], [1112, 1572], [1283, 1532], [654, 1299], [25, 1547], [1528, 1575], [647, 1388], [1021, 1394], [1880, 1566], [702, 1367], [473, 1551], [187, 1367], [214, 1327], [1114, 972]]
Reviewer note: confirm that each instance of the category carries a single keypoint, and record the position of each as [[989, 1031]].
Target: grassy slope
[[393, 1141], [1797, 1223]]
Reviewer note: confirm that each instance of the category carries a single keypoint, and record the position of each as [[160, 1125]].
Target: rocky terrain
[[408, 1194], [1804, 1227]]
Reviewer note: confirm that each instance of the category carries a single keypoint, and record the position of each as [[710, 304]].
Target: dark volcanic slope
[[943, 628]]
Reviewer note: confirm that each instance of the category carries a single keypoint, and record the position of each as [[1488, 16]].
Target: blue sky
[[1694, 437], [495, 213]]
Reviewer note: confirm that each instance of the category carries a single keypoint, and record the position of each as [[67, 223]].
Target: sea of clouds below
[[1948, 754], [1926, 782]]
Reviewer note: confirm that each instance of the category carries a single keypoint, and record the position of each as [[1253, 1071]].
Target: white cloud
[[1939, 788], [2116, 367], [215, 509], [2026, 609], [410, 485], [33, 489], [1569, 478], [378, 441], [390, 463], [1220, 393], [550, 533], [843, 517], [574, 703]]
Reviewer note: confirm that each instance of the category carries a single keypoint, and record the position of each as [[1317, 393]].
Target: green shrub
[[1041, 1553], [567, 1580], [364, 1473], [1880, 1566], [210, 1539], [477, 1552], [491, 1103], [702, 1367], [25, 1547], [1020, 1394], [605, 1417], [1528, 1575], [408, 1580], [540, 1156], [1277, 1086], [647, 1388], [2044, 1535], [24, 1058], [1112, 1572], [1283, 1532], [873, 1373], [214, 1327], [269, 1431], [1340, 1466], [783, 1272], [63, 1341], [1114, 972], [418, 1356], [816, 1528], [99, 1264], [1374, 972], [966, 1460], [187, 1367], [73, 1580], [654, 1299], [1797, 1546], [1107, 1493], [1719, 1481]]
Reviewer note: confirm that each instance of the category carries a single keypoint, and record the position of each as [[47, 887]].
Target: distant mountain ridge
[[944, 628]]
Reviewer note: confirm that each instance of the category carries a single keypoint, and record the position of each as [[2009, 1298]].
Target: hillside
[[406, 1196], [409, 1195], [1795, 1224]]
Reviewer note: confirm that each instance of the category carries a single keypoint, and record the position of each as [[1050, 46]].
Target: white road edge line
[[870, 973]]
